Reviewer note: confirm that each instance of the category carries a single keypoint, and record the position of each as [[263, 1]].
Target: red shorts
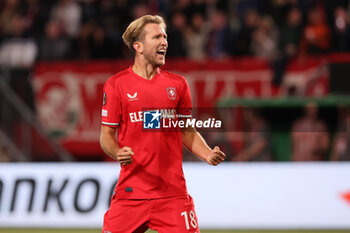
[[164, 215]]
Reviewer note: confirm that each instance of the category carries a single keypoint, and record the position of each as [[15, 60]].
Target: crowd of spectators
[[276, 30]]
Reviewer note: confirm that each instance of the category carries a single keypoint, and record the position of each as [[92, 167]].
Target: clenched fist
[[216, 156], [124, 155]]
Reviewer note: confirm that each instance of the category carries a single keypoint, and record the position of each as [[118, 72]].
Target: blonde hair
[[134, 31]]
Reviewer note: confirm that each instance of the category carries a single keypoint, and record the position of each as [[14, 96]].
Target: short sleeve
[[185, 104], [112, 106]]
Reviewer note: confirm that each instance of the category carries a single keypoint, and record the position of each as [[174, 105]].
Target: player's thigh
[[174, 215], [126, 216]]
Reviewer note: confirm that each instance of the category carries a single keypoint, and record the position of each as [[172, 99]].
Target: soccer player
[[151, 190]]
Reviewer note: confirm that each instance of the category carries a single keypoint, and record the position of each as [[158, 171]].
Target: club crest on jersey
[[171, 93], [132, 97], [151, 119]]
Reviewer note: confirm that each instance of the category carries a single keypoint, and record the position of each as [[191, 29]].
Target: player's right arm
[[111, 148], [111, 117]]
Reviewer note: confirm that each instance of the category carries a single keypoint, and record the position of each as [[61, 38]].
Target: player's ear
[[138, 46]]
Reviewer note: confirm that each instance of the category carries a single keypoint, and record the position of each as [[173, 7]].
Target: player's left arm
[[195, 143], [192, 139]]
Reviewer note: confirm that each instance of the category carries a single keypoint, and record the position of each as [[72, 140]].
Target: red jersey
[[156, 168]]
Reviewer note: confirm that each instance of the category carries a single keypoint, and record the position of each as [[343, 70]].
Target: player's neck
[[146, 71]]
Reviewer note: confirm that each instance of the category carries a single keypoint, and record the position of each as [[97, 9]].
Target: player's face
[[155, 44]]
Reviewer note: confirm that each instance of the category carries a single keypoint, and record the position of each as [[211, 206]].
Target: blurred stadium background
[[276, 72]]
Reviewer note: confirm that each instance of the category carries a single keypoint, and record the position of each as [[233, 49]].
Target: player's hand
[[216, 156], [124, 155]]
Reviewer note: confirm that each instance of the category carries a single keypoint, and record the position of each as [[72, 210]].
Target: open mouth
[[161, 52]]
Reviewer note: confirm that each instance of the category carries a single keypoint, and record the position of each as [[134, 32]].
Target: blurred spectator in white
[[341, 143], [196, 37], [18, 53], [310, 137], [316, 38], [176, 36], [220, 43], [256, 138], [69, 13], [264, 39], [18, 50], [341, 30], [249, 24], [55, 45]]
